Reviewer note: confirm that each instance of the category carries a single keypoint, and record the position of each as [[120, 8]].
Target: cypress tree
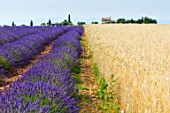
[[31, 24], [49, 22], [69, 18], [13, 24]]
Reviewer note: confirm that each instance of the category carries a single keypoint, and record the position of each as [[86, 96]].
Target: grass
[[109, 99], [93, 90]]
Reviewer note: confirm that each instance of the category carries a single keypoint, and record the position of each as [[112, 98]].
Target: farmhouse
[[107, 20]]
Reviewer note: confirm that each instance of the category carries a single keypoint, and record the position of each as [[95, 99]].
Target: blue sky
[[22, 11]]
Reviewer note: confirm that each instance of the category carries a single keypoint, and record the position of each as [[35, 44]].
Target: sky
[[23, 11]]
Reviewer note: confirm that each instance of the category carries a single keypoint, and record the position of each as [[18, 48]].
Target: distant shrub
[[65, 23], [43, 24], [81, 23], [94, 23], [23, 25]]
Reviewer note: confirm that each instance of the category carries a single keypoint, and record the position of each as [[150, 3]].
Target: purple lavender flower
[[48, 86]]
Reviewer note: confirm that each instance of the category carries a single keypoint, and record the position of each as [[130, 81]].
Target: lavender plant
[[19, 52], [17, 33], [48, 86]]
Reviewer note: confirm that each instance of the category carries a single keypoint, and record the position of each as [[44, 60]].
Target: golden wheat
[[139, 57]]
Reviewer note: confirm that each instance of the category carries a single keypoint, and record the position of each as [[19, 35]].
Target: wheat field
[[139, 58]]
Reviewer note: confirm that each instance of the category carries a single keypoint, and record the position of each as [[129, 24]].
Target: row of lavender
[[8, 29], [20, 52], [11, 34], [48, 85]]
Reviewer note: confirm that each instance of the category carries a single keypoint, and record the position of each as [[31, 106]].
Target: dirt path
[[94, 93], [18, 72], [85, 82]]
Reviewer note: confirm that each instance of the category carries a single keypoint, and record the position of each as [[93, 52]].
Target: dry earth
[[18, 72]]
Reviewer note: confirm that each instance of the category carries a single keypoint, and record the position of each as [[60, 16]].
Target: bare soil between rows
[[18, 72], [88, 102]]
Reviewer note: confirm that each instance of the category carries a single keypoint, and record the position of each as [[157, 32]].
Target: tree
[[23, 25], [94, 22], [43, 24], [139, 21], [31, 23], [49, 22], [81, 23], [143, 20], [13, 24], [154, 21], [57, 24], [121, 20], [146, 20], [71, 24], [130, 21], [69, 20], [65, 23]]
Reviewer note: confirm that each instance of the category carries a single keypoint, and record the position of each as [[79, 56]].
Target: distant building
[[107, 20]]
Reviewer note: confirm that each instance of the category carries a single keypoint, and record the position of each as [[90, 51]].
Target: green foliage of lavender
[[48, 86], [19, 52]]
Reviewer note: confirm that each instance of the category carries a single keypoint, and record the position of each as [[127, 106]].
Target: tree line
[[143, 20], [49, 23]]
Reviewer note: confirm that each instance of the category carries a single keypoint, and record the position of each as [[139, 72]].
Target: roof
[[106, 19]]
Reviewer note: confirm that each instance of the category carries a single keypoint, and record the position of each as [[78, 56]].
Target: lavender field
[[47, 87]]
